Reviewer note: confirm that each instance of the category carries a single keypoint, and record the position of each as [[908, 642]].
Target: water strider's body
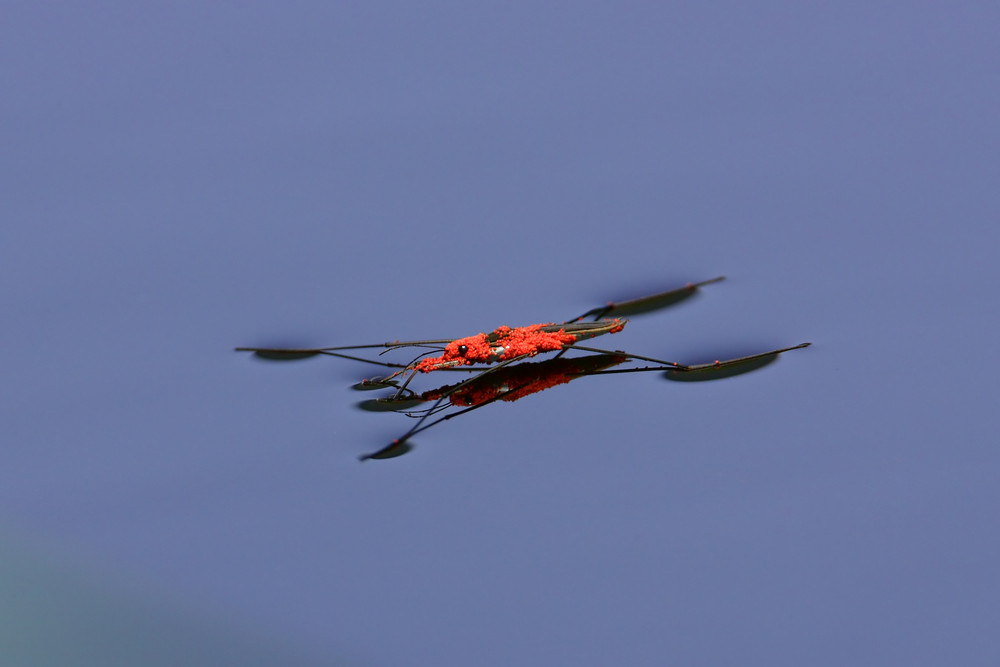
[[505, 343]]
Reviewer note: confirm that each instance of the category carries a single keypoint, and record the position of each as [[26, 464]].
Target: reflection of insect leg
[[418, 426], [395, 443]]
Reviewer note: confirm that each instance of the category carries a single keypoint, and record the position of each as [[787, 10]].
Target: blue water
[[183, 180]]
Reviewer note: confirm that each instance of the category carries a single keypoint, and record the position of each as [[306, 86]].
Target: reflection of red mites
[[516, 382]]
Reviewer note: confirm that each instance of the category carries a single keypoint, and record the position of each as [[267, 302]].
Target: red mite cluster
[[504, 343]]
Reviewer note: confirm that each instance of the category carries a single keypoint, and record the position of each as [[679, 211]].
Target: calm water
[[187, 180]]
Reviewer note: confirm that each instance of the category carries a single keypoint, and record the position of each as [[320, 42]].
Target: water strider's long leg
[[645, 304], [386, 364], [679, 369], [412, 367], [278, 353]]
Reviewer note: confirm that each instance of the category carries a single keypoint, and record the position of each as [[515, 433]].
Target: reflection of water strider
[[510, 383], [520, 380], [508, 380]]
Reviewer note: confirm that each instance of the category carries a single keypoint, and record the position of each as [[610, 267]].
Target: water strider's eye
[[462, 349]]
